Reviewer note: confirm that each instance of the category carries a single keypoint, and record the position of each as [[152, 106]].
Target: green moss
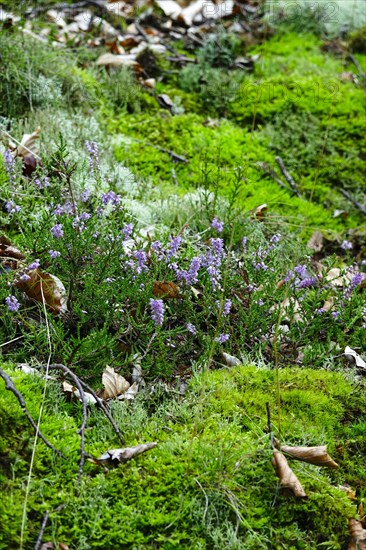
[[208, 484]]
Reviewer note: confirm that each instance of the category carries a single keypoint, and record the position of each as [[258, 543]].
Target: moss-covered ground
[[208, 484]]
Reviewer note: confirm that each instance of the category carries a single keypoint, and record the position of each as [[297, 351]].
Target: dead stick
[[43, 526], [268, 170], [355, 62], [92, 392], [173, 155], [9, 385], [353, 201], [287, 176], [269, 423]]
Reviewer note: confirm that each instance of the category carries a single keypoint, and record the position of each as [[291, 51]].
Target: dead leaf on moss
[[351, 493], [114, 384], [357, 534], [114, 457], [54, 292], [287, 477], [312, 455]]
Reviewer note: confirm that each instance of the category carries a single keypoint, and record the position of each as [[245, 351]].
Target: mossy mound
[[208, 484]]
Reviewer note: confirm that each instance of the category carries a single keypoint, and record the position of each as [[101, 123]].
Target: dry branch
[[9, 385]]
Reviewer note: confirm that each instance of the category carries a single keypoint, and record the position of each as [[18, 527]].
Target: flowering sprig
[[157, 311]]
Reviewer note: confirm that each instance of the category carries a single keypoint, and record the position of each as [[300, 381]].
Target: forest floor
[[183, 261]]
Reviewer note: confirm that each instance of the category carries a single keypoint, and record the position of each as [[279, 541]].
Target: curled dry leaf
[[7, 250], [53, 290], [312, 455], [165, 290], [260, 211], [231, 360], [357, 534], [114, 457], [286, 475], [113, 383], [353, 357], [130, 393], [27, 146]]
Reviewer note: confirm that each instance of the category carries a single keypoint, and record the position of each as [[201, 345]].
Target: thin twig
[[270, 172], [11, 341], [174, 156], [359, 68], [358, 205], [9, 385], [43, 526], [68, 371], [269, 424], [290, 180]]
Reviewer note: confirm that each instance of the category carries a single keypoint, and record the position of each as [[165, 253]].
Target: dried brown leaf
[[113, 383], [54, 292], [286, 475], [357, 534], [312, 455], [165, 290], [28, 145]]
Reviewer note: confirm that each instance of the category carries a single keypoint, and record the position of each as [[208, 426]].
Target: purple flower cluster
[[141, 257], [347, 245], [110, 197], [190, 276], [157, 311], [222, 338], [174, 245], [12, 303], [212, 260], [92, 150], [54, 254], [42, 183], [34, 265], [79, 221], [225, 307], [57, 231], [9, 166], [11, 207], [127, 231], [307, 282], [217, 225], [191, 328]]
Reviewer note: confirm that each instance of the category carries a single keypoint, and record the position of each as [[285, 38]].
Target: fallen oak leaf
[[312, 455], [44, 286], [287, 477], [114, 457], [357, 534], [114, 383]]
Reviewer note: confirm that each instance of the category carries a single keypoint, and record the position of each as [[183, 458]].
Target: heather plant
[[234, 285]]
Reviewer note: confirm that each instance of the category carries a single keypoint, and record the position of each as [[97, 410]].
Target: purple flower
[[42, 184], [347, 245], [222, 338], [110, 197], [57, 231], [356, 280], [92, 149], [9, 166], [290, 275], [11, 207], [191, 276], [24, 278], [275, 238], [319, 311], [335, 314], [260, 265], [85, 195], [127, 231], [12, 303], [191, 328], [141, 258], [34, 265], [54, 254], [173, 246], [157, 311], [301, 270], [308, 281], [217, 225], [244, 242], [225, 308]]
